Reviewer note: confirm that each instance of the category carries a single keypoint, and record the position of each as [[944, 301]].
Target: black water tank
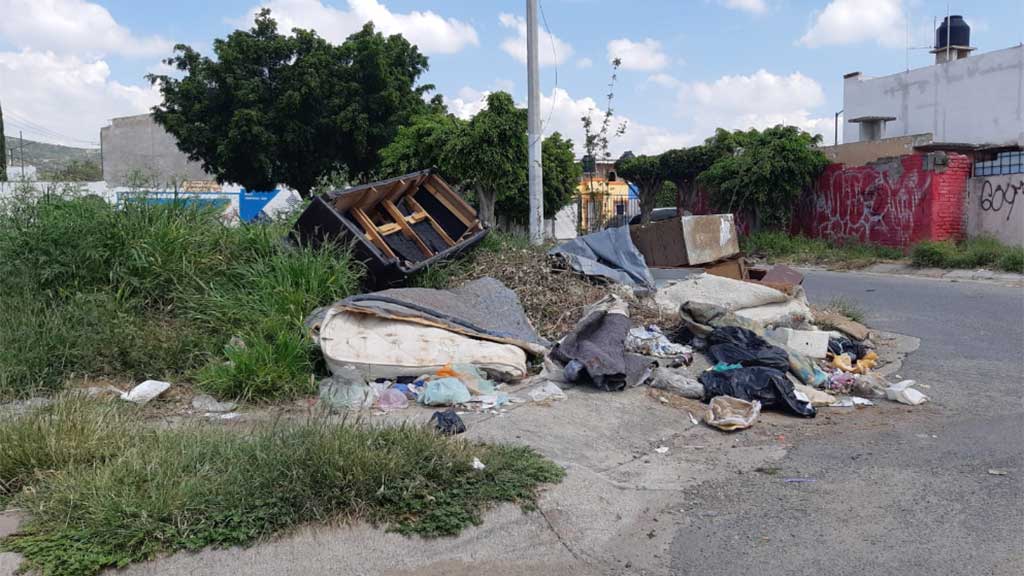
[[959, 32]]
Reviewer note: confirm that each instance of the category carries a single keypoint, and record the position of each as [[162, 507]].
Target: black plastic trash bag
[[843, 345], [735, 345], [768, 385], [448, 423]]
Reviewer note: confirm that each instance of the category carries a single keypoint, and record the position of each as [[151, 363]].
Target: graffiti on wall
[[884, 203], [991, 207], [998, 196]]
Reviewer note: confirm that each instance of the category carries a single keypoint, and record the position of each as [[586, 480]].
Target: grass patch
[[979, 252], [846, 307], [123, 492], [157, 291], [782, 247]]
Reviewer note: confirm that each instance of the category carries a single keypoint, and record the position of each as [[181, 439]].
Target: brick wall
[[895, 202]]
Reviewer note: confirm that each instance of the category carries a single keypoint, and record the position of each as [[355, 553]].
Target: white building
[[973, 99]]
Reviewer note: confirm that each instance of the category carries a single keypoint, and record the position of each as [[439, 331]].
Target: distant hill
[[51, 158]]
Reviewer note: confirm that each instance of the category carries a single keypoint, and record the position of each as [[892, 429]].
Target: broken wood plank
[[406, 229], [415, 206], [371, 231]]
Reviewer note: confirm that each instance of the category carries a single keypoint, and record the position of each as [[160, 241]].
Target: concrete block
[[811, 343]]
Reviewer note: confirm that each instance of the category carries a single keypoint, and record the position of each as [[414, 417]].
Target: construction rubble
[[473, 347]]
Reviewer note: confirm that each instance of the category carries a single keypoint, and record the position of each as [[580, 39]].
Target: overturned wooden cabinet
[[396, 226]]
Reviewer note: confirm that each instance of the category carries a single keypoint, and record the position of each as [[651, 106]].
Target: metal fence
[[1004, 163]]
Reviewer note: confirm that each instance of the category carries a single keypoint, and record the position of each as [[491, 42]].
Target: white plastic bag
[[729, 414]]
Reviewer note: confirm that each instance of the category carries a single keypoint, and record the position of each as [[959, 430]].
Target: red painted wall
[[894, 203]]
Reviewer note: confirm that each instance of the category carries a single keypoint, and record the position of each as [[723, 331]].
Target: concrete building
[[964, 98], [137, 150]]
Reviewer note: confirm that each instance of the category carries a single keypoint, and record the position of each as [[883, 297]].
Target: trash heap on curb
[[470, 348]]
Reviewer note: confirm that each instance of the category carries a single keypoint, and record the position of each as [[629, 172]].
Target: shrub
[[157, 291]]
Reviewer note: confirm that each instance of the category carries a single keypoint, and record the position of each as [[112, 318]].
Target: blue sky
[[68, 66]]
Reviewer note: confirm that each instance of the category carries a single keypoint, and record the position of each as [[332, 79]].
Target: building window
[[620, 208], [611, 176]]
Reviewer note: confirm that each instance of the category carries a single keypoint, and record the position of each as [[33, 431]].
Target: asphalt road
[[913, 496]]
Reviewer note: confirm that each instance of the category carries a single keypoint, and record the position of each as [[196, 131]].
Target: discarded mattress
[[484, 309], [710, 289], [608, 254], [749, 300], [595, 351], [384, 348], [396, 226]]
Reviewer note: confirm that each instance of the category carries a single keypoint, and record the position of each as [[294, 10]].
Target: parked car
[[657, 215]]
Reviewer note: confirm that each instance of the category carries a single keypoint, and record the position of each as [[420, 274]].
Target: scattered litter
[[678, 382], [548, 392], [650, 341], [997, 472], [841, 382], [661, 449], [444, 392], [346, 389], [904, 393], [845, 363], [729, 414], [799, 480], [471, 376], [392, 399], [843, 345], [207, 403], [448, 423], [769, 386], [146, 391], [851, 402], [813, 395], [477, 464]]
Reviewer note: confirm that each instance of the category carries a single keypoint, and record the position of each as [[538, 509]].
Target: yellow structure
[[602, 201]]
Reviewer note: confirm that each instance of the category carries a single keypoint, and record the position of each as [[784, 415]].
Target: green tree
[[275, 109], [765, 173], [3, 148], [682, 166], [561, 174], [667, 195], [489, 154], [561, 178], [74, 171], [646, 173], [421, 145]]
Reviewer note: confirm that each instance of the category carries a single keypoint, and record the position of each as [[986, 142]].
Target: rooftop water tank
[[958, 33]]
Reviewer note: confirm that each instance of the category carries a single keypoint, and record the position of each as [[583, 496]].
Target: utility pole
[[21, 140], [533, 126]]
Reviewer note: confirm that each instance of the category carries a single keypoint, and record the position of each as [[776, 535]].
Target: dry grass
[[553, 298]]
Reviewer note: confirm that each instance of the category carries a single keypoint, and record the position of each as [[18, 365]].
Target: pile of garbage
[[473, 347]]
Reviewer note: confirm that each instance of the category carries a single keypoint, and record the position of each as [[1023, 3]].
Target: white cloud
[[73, 27], [759, 100], [855, 21], [66, 94], [643, 55], [562, 113], [584, 63], [431, 33], [664, 80], [553, 50], [754, 6], [468, 102]]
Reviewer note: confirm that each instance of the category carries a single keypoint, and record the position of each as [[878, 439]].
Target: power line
[[30, 126]]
